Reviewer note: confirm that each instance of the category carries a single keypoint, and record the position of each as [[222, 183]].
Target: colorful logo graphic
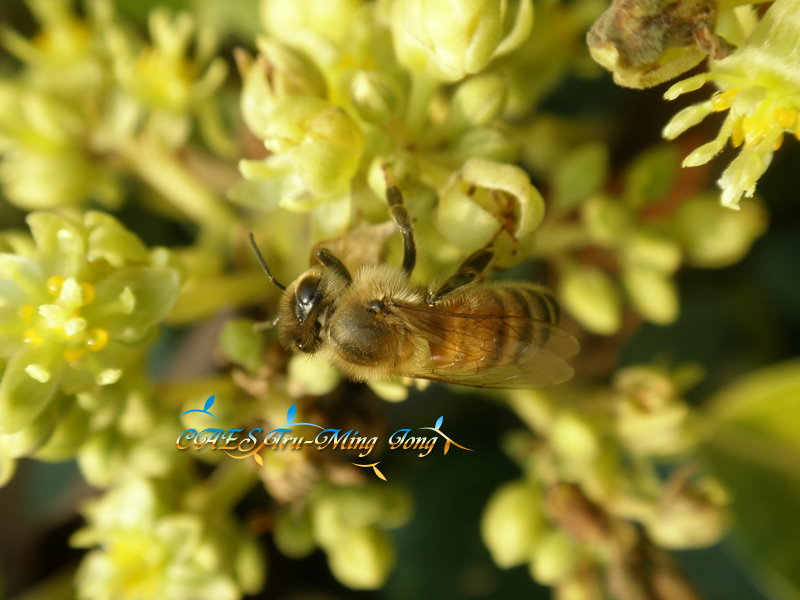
[[293, 436]]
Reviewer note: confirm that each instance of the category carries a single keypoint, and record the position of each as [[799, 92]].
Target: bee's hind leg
[[470, 270], [399, 214]]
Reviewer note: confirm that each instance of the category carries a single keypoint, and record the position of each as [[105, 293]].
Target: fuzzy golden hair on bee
[[373, 324]]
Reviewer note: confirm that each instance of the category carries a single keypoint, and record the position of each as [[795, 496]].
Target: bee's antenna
[[263, 263]]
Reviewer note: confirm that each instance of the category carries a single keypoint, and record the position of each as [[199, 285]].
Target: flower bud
[[478, 101], [240, 343], [606, 219], [376, 96], [329, 527], [591, 297], [491, 143], [250, 565], [713, 236], [290, 72], [580, 174], [652, 293], [554, 559], [359, 506], [652, 175], [320, 140], [396, 507], [691, 516], [649, 251], [293, 533], [646, 387], [580, 587], [311, 374], [573, 439], [289, 20], [277, 73], [650, 418], [450, 39], [512, 524], [362, 558]]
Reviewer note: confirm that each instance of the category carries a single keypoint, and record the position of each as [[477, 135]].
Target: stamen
[[96, 340], [54, 284], [723, 100]]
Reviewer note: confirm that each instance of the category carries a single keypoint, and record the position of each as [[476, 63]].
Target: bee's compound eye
[[307, 291]]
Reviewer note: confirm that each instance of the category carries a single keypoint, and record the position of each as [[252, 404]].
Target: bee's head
[[302, 310], [304, 304]]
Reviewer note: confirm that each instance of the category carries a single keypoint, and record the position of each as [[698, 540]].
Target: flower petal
[[29, 383]]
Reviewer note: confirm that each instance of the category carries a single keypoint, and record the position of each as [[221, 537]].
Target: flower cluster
[[94, 102], [590, 474], [449, 100], [348, 523], [411, 89], [79, 306], [77, 309], [144, 546], [754, 65], [627, 245]]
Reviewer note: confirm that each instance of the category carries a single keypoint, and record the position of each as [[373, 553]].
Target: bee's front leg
[[470, 270], [330, 261], [399, 214]]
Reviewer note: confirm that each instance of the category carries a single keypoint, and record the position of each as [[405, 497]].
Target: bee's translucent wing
[[488, 350]]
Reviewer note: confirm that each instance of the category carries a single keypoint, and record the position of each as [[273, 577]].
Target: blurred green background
[[732, 322]]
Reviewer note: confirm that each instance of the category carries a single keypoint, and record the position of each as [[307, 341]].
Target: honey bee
[[374, 324]]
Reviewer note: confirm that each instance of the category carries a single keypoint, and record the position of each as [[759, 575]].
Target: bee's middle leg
[[470, 270]]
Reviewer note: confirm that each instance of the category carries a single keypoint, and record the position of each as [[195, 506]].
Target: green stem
[[167, 175], [175, 393], [422, 89], [201, 298], [229, 484]]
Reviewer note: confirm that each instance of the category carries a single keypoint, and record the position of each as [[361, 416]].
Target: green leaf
[[754, 449]]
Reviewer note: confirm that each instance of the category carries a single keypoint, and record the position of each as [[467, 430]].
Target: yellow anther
[[723, 100], [32, 338], [54, 283], [778, 143], [96, 340], [88, 293], [737, 133], [73, 356], [785, 117], [27, 312]]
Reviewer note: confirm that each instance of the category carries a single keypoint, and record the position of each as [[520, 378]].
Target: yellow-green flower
[[451, 39], [67, 56], [759, 87], [45, 146], [166, 84], [348, 524], [144, 549], [77, 310]]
